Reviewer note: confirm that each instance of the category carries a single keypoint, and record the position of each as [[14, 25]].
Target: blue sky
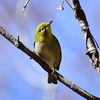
[[22, 78]]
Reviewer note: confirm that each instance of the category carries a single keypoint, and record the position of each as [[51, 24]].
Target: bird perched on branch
[[48, 48]]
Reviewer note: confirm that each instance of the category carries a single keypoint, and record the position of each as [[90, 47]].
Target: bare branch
[[45, 66], [91, 44], [69, 5], [61, 6], [25, 5], [62, 3]]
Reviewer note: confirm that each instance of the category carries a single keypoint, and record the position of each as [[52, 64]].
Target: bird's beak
[[50, 22]]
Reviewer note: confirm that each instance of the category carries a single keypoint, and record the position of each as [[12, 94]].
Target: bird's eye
[[42, 29]]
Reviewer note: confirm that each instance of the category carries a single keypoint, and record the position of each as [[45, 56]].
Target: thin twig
[[25, 5], [69, 5], [61, 6], [62, 3], [45, 66]]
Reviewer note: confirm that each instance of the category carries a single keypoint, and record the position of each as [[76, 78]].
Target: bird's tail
[[52, 79]]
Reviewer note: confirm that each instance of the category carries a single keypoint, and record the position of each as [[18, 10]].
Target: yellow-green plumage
[[48, 48]]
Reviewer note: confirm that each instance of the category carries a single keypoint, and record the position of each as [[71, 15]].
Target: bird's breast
[[49, 53]]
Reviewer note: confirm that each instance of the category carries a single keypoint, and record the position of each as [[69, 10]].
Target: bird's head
[[43, 32]]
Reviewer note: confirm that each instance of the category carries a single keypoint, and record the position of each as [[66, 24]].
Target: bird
[[47, 47]]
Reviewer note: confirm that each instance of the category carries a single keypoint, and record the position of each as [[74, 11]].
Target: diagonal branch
[[25, 5], [43, 64], [91, 44]]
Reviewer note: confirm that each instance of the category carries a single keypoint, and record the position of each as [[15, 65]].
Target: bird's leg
[[53, 71], [54, 68]]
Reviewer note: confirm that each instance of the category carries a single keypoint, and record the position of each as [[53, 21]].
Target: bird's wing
[[60, 53]]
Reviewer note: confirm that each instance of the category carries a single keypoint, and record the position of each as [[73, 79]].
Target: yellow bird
[[48, 48]]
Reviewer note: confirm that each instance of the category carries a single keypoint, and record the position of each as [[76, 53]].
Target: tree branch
[[45, 66], [91, 44], [25, 5]]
